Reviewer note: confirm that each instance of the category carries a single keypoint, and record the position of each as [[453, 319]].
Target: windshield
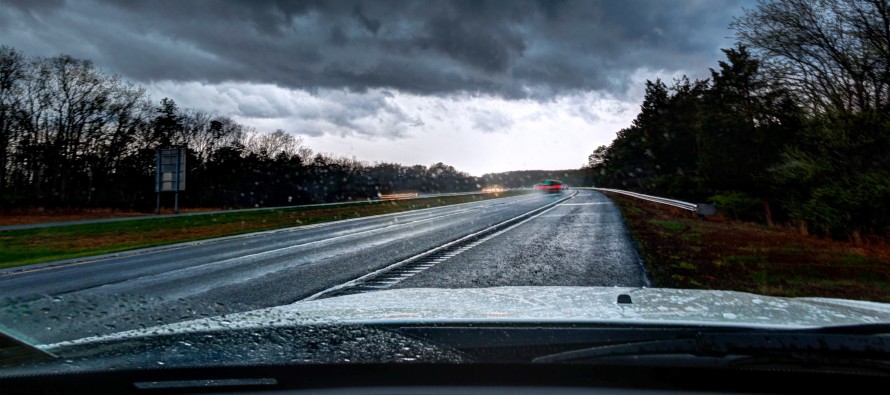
[[224, 182]]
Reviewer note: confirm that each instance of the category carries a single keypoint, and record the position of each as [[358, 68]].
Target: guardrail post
[[705, 209]]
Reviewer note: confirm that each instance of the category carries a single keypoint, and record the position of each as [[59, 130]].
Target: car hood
[[542, 305]]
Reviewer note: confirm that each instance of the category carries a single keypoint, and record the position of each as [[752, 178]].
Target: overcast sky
[[482, 85]]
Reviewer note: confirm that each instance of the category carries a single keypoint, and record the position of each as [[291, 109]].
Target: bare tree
[[11, 74], [71, 125], [212, 132], [270, 145], [834, 53]]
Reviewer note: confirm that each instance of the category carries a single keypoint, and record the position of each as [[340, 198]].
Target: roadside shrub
[[835, 179], [740, 206], [845, 207]]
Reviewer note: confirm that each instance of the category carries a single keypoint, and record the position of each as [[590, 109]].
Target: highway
[[573, 238]]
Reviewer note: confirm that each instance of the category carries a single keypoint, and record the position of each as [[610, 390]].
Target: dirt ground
[[683, 251]]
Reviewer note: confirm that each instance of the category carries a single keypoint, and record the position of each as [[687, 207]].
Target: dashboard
[[447, 379]]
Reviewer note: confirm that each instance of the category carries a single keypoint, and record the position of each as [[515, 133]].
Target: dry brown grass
[[683, 251]]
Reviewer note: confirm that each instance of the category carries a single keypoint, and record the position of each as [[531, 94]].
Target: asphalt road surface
[[145, 217], [568, 239]]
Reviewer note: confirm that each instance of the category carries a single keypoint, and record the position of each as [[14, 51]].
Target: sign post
[[170, 175]]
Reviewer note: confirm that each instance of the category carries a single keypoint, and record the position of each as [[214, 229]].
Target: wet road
[[582, 241], [579, 240]]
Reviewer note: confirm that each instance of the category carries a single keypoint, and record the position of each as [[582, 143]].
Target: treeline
[[74, 136], [528, 178], [793, 126]]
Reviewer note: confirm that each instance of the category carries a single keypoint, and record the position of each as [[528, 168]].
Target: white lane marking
[[571, 215], [390, 225], [364, 232], [295, 229], [584, 204], [226, 262], [390, 281], [423, 255]]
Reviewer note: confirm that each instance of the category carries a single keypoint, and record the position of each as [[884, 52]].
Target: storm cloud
[[482, 85], [521, 49]]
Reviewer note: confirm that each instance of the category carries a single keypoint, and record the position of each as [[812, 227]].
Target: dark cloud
[[36, 6], [511, 49], [338, 37], [373, 25], [469, 43], [550, 8]]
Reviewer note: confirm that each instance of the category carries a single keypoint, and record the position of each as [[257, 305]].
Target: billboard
[[170, 174]]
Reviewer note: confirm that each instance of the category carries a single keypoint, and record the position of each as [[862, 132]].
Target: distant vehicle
[[551, 186]]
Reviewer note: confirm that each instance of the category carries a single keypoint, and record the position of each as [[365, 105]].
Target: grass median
[[682, 251], [30, 246]]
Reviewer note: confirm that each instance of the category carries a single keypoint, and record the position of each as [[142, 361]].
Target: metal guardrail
[[701, 209]]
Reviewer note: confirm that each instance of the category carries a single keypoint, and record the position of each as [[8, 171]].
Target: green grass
[[745, 260], [857, 260], [672, 226], [30, 246]]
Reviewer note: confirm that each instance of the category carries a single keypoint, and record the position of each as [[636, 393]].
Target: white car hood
[[655, 306]]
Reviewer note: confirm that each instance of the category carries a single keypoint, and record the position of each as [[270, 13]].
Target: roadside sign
[[170, 174]]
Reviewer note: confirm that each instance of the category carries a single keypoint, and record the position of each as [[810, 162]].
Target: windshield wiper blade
[[861, 329], [14, 351], [782, 344]]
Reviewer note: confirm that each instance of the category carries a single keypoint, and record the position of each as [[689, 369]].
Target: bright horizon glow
[[475, 134]]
